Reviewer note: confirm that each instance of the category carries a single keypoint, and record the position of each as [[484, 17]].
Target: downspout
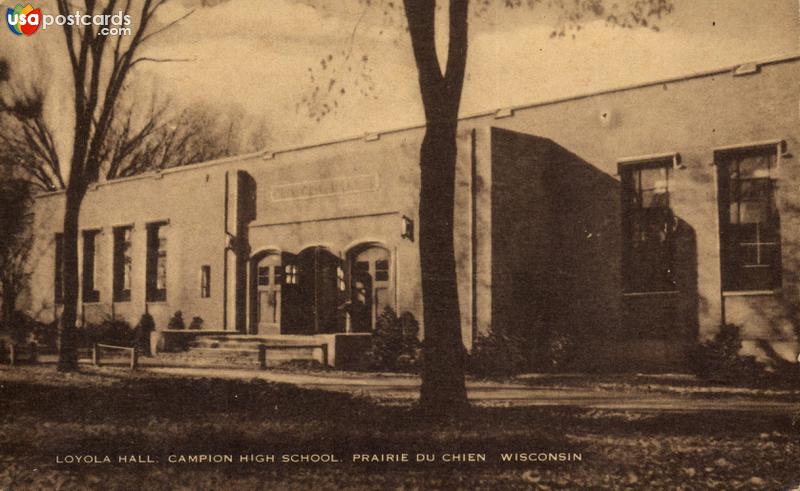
[[225, 258]]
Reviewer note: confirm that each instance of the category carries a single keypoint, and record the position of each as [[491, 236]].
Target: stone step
[[250, 343]]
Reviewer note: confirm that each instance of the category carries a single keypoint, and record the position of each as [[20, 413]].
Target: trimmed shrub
[[718, 359], [497, 354], [24, 329], [197, 323], [395, 346], [143, 329], [111, 331], [46, 335], [176, 322]]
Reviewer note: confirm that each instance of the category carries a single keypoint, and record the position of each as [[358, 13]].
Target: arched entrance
[[266, 288], [371, 285], [297, 293], [319, 293]]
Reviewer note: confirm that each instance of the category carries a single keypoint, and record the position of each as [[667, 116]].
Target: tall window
[[58, 282], [205, 281], [750, 236], [122, 264], [648, 227], [156, 268], [90, 294]]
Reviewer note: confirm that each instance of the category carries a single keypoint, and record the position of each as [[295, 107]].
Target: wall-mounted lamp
[[407, 230], [783, 148], [678, 162]]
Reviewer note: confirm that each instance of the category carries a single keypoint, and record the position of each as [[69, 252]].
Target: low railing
[[15, 353], [96, 358], [262, 351]]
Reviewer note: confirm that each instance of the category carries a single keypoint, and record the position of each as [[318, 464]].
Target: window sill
[[650, 294], [98, 302], [751, 293]]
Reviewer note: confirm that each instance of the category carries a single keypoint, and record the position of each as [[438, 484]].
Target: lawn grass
[[45, 415]]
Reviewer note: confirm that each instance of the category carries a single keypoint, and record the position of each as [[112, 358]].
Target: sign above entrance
[[325, 187]]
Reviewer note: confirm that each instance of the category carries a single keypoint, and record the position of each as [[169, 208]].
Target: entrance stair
[[246, 350]]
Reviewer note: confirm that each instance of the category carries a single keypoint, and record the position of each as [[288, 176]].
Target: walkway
[[403, 389]]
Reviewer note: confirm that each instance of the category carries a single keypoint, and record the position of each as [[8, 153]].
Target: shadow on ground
[[45, 415]]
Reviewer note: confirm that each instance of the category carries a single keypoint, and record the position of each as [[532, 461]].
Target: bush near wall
[[718, 359], [498, 354], [111, 331], [395, 345], [25, 329], [177, 323]]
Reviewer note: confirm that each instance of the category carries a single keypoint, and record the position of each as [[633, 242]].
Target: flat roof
[[268, 154]]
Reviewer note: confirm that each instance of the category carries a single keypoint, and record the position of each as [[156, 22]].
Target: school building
[[636, 219]]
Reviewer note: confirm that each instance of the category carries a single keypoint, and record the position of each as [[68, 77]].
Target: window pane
[[655, 199], [90, 294], [654, 178], [751, 227], [122, 264], [753, 212], [156, 267], [648, 223], [205, 281], [755, 166], [263, 275], [161, 275], [754, 189]]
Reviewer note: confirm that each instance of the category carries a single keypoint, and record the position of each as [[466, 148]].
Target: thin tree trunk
[[443, 390], [9, 303], [68, 349]]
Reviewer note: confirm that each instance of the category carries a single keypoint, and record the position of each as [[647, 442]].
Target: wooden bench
[[262, 351]]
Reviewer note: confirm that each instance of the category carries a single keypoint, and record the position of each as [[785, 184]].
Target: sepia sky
[[253, 57]]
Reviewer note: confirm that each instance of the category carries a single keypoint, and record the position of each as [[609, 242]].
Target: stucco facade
[[539, 226]]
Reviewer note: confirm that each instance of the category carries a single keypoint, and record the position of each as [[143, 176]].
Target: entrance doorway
[[297, 294], [268, 285], [320, 293], [371, 286]]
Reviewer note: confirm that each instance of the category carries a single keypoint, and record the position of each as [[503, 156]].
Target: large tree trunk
[[443, 388], [68, 349]]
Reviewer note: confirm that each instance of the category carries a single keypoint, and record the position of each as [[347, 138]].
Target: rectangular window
[[156, 268], [90, 294], [648, 225], [263, 276], [122, 264], [382, 270], [205, 281], [58, 283], [750, 237]]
